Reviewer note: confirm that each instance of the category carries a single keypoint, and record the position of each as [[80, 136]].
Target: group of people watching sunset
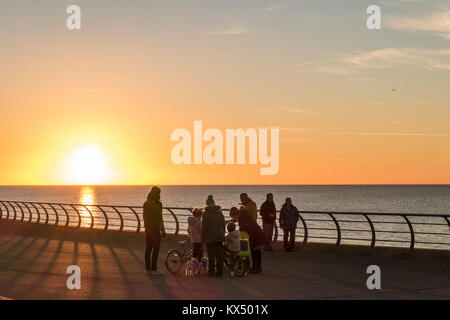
[[207, 226]]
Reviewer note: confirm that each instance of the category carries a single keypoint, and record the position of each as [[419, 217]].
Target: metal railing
[[393, 229]]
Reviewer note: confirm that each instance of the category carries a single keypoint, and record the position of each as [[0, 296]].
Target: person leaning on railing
[[154, 229]]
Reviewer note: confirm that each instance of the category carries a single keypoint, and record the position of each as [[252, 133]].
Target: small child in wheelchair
[[233, 245]]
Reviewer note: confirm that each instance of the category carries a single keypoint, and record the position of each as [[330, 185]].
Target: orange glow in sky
[[98, 105]]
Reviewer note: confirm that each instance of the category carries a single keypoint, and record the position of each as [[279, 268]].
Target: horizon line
[[220, 185]]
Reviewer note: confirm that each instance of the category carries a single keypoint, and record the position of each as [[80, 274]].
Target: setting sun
[[87, 165]]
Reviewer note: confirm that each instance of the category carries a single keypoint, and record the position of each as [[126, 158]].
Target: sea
[[360, 198]]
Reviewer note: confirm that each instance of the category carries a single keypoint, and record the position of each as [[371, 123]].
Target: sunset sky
[[353, 105]]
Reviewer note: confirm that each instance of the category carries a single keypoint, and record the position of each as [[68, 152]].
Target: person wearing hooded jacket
[[213, 234], [154, 230]]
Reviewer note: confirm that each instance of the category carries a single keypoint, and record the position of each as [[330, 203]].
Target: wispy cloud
[[295, 110], [374, 102], [275, 7], [346, 64], [383, 134], [436, 22], [422, 102], [232, 30], [368, 134]]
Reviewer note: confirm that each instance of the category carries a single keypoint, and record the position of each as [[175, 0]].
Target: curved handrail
[[138, 220], [106, 217], [305, 228], [29, 211], [78, 214], [7, 210], [21, 210], [411, 230], [56, 213], [338, 229], [371, 227], [92, 216], [14, 210], [374, 236], [37, 211], [46, 212], [177, 228]]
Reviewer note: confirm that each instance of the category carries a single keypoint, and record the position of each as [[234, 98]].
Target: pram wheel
[[240, 268]]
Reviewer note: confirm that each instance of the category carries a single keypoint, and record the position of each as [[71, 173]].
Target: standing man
[[289, 216], [249, 206], [268, 213], [213, 234], [154, 229]]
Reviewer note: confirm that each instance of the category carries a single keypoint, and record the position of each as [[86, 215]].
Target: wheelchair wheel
[[174, 260]]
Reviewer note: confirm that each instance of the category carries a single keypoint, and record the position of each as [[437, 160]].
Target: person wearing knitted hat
[[154, 229], [213, 234]]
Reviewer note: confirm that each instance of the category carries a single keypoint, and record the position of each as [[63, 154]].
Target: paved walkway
[[34, 258]]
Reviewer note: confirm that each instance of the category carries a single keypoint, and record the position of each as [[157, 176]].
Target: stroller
[[241, 265]]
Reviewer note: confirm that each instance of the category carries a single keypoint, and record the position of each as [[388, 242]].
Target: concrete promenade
[[34, 258]]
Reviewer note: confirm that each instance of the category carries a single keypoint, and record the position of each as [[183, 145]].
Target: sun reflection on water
[[87, 198]]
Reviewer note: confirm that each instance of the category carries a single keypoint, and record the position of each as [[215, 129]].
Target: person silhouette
[[154, 230]]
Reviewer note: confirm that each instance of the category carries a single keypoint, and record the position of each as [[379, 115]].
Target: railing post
[[29, 211], [7, 210], [372, 228], [1, 211], [338, 229], [46, 212], [106, 217], [92, 217], [56, 213], [120, 216], [448, 221], [305, 230], [79, 215], [176, 222], [37, 211], [21, 210], [67, 215], [275, 234], [14, 209], [137, 218], [411, 230]]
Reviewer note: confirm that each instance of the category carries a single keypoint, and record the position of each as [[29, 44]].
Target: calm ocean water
[[373, 198]]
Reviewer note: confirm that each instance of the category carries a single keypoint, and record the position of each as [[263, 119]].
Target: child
[[195, 232], [233, 242]]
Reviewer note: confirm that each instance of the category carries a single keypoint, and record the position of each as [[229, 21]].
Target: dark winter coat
[[213, 225], [249, 225], [153, 215], [268, 212], [289, 217]]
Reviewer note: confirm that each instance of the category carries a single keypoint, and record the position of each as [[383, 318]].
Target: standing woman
[[257, 237], [213, 234], [154, 229]]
